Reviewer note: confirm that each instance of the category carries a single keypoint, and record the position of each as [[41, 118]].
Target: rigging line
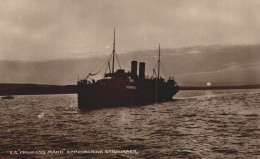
[[154, 73], [101, 61], [155, 66], [149, 70], [167, 73], [101, 67], [164, 72], [106, 67], [108, 64], [105, 70], [118, 61], [124, 63]]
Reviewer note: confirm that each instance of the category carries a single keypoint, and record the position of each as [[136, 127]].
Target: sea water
[[196, 124]]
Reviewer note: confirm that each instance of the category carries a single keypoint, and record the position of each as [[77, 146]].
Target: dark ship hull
[[141, 93]]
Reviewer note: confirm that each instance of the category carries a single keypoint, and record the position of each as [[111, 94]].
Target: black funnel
[[141, 70], [134, 68]]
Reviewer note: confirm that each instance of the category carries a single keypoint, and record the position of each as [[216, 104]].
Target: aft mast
[[159, 63], [158, 77]]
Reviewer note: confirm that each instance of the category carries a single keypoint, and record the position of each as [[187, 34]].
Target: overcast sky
[[58, 29]]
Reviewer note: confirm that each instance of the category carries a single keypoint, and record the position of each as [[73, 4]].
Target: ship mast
[[159, 63], [114, 51]]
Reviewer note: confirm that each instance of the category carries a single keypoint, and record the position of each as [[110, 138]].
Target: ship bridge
[[119, 74]]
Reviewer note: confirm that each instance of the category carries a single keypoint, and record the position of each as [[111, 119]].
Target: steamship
[[120, 88]]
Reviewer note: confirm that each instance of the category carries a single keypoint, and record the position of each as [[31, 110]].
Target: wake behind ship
[[120, 88]]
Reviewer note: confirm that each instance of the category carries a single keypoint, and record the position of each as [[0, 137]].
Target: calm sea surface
[[196, 124]]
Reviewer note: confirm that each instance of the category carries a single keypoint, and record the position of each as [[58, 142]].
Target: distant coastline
[[33, 89], [40, 89], [252, 86]]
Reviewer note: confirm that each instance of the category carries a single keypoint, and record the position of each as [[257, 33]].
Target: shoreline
[[42, 89]]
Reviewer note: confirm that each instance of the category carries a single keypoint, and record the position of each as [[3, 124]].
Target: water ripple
[[197, 124]]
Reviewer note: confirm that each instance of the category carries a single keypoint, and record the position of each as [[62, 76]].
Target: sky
[[38, 30]]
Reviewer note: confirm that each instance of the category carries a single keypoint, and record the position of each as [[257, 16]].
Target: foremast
[[114, 51]]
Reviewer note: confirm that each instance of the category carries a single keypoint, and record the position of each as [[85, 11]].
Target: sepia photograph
[[133, 79]]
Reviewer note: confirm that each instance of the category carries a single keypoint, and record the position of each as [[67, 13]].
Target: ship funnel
[[134, 68], [141, 70]]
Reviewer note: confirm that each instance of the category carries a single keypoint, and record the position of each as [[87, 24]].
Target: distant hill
[[193, 66], [30, 89]]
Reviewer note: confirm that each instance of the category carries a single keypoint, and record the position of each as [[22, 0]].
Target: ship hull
[[101, 97]]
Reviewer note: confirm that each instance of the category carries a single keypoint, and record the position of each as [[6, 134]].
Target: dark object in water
[[8, 97], [122, 88]]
